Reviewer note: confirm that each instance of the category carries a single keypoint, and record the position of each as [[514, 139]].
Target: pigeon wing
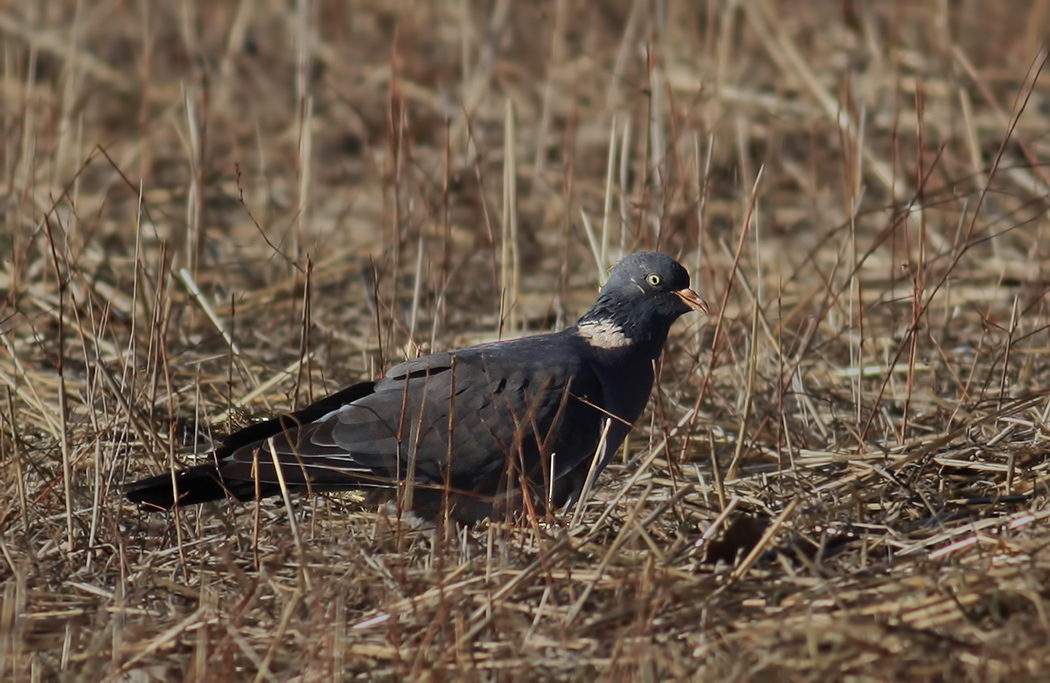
[[475, 420]]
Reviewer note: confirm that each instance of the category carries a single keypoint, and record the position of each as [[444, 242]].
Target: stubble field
[[213, 212]]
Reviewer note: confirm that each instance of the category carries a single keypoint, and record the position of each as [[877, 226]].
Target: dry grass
[[217, 210]]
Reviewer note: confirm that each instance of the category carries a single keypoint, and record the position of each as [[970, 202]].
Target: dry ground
[[217, 210]]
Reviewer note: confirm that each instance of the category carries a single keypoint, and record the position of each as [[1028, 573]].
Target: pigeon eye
[[653, 279]]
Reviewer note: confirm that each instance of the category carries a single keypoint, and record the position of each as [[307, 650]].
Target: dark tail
[[205, 483], [199, 484]]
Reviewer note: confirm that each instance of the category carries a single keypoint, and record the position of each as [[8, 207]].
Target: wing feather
[[469, 419]]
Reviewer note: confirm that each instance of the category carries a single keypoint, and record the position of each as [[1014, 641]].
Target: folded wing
[[475, 424]]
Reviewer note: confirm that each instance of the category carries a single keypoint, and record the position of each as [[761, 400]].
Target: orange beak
[[693, 300]]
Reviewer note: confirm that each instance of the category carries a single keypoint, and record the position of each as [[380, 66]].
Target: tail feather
[[200, 484], [205, 483]]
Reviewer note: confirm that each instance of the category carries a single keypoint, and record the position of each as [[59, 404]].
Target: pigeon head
[[645, 294]]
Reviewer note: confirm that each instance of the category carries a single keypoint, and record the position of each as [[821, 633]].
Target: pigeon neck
[[617, 330]]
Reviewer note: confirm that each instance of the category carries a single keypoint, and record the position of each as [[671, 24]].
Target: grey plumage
[[477, 431]]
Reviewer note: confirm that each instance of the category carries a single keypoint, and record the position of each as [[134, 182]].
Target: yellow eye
[[653, 279]]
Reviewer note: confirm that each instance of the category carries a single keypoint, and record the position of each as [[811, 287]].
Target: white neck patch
[[603, 334]]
